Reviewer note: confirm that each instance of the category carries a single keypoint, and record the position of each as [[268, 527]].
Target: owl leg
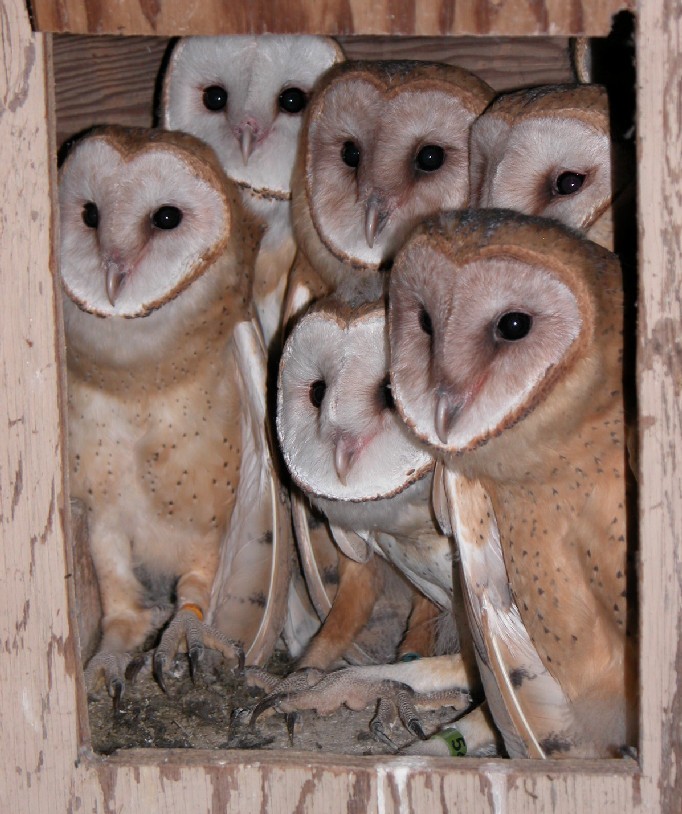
[[126, 621], [360, 586], [188, 627], [420, 637]]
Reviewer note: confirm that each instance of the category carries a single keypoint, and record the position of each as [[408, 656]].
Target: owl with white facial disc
[[383, 145], [245, 96], [549, 151], [156, 264], [506, 336]]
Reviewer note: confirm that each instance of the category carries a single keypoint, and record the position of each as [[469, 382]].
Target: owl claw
[[269, 702], [414, 726], [158, 666], [290, 719], [377, 729], [117, 689], [195, 655], [111, 669], [197, 635]]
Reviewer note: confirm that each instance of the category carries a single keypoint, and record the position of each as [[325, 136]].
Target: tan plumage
[[245, 96], [383, 145], [506, 344], [156, 264], [548, 151]]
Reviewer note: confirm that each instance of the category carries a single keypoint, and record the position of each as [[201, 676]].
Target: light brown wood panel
[[112, 79], [660, 394], [422, 17]]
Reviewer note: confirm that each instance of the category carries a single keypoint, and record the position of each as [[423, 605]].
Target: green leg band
[[454, 739]]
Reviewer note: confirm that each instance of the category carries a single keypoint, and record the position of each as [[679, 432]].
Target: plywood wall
[[404, 17], [112, 79]]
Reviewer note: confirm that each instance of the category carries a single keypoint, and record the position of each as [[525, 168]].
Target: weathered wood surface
[[42, 769], [660, 394], [112, 79], [421, 17]]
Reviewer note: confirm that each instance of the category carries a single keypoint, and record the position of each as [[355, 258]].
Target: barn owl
[[346, 448], [328, 339], [383, 145], [548, 151], [245, 96], [156, 264], [506, 341]]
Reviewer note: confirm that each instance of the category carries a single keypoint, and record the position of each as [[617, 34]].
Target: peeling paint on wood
[[422, 17]]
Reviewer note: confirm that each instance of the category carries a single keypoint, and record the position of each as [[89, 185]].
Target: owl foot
[[187, 627], [113, 669], [398, 688]]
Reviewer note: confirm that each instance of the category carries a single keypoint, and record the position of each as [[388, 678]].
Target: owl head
[[500, 320], [338, 429], [384, 144], [548, 151], [151, 232], [245, 96]]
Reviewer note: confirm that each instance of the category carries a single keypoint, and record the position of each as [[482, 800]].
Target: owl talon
[[134, 667], [379, 734], [290, 719], [269, 702], [110, 669], [197, 635], [158, 666], [414, 726], [116, 690], [195, 656]]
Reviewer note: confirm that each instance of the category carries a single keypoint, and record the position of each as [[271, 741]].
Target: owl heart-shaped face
[[382, 150], [480, 336], [245, 96], [340, 435], [545, 152], [139, 222]]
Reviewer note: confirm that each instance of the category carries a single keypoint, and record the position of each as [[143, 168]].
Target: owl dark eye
[[316, 393], [430, 158], [167, 217], [215, 97], [514, 326], [91, 215], [425, 321], [350, 154], [569, 182], [292, 100], [386, 395]]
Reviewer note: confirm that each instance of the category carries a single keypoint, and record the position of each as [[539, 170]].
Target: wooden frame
[[44, 767]]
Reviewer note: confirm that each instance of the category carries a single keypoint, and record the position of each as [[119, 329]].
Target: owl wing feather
[[527, 702], [251, 587], [439, 500], [314, 580]]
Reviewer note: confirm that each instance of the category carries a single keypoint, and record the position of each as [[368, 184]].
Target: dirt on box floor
[[213, 713]]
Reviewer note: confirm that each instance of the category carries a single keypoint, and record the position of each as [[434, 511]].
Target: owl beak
[[246, 142], [445, 415], [343, 458], [116, 278], [371, 221]]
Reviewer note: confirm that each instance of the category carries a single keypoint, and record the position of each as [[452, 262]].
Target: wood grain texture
[[420, 17], [660, 391], [103, 79], [42, 767]]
